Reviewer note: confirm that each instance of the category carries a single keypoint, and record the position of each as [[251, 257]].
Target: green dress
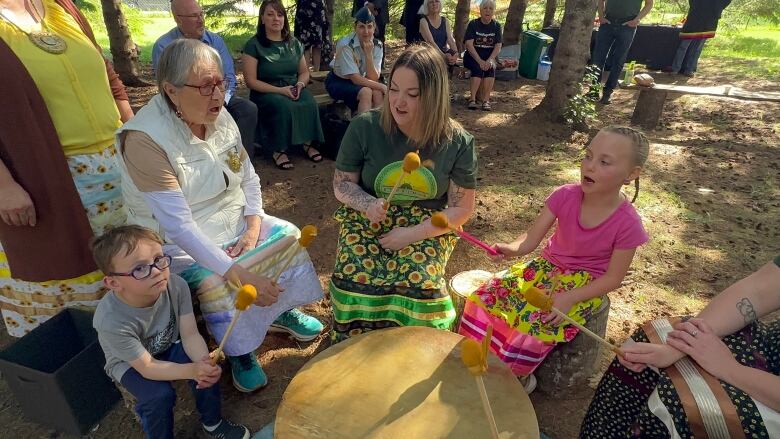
[[281, 120]]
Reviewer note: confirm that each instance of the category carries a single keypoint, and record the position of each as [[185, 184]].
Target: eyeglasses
[[141, 272], [208, 90], [200, 15]]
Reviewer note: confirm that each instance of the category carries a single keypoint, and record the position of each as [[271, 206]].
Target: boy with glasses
[[148, 334]]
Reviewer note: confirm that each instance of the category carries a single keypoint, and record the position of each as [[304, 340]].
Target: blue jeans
[[618, 38], [687, 58], [155, 399]]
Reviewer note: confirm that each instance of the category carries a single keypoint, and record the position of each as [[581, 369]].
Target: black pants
[[244, 112]]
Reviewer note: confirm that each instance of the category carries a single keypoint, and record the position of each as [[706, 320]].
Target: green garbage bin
[[534, 45]]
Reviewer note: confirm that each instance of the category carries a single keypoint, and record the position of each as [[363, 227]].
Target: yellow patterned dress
[[75, 89]]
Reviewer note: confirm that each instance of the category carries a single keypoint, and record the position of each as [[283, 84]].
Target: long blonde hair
[[433, 126]]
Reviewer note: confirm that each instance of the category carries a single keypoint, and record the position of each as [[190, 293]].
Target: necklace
[[43, 39]]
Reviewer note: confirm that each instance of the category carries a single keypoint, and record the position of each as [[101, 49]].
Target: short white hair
[[182, 57], [486, 3], [423, 8]]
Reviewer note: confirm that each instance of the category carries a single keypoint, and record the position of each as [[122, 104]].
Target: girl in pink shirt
[[587, 256]]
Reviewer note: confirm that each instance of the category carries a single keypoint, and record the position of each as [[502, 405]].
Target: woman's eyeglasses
[[141, 272], [208, 90]]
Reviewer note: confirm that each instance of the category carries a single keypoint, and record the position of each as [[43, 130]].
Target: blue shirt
[[212, 40], [351, 59]]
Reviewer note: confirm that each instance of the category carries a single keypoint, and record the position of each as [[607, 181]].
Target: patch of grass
[[751, 53]]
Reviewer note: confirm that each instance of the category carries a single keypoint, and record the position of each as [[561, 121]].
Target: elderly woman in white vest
[[187, 176]]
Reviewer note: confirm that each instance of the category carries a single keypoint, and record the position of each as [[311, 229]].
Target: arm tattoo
[[350, 193], [746, 309], [455, 195]]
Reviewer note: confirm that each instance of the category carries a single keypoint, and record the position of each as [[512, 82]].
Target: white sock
[[213, 427]]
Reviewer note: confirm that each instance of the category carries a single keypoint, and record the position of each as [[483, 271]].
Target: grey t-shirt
[[126, 332]]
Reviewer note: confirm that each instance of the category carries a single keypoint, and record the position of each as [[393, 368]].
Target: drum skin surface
[[406, 382]]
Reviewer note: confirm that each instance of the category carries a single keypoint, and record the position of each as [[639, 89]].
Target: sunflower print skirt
[[520, 338], [374, 288], [25, 305]]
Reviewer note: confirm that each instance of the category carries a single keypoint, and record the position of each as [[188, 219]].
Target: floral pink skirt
[[520, 339]]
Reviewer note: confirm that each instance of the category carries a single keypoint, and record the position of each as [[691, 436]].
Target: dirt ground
[[709, 200]]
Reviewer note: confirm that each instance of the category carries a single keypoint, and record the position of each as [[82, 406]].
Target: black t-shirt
[[485, 36]]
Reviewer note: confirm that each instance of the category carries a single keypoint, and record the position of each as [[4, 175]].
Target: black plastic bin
[[56, 373]]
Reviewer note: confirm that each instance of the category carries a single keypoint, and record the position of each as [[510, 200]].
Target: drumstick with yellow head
[[539, 299], [474, 356], [308, 233], [411, 163], [245, 296]]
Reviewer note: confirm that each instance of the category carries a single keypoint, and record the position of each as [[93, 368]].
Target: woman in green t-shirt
[[276, 74], [390, 262]]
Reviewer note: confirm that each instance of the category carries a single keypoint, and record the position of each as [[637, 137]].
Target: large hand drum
[[406, 382], [461, 286]]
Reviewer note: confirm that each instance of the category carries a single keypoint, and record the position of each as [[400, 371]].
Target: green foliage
[[581, 109]]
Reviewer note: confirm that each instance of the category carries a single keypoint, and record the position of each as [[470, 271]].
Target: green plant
[[582, 106]]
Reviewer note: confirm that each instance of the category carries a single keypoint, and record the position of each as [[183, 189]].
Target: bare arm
[[451, 44], [303, 71], [191, 340], [125, 111], [349, 192], [16, 206], [611, 280], [460, 207], [470, 48], [601, 6], [528, 241], [156, 370], [425, 32], [744, 302], [645, 10], [359, 79], [495, 52], [759, 384]]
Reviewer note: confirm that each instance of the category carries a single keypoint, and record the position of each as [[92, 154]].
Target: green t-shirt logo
[[418, 185]]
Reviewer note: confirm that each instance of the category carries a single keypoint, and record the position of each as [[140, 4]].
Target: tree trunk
[[571, 57], [549, 13], [123, 49], [514, 22], [461, 21]]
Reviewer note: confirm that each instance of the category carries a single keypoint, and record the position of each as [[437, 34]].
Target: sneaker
[[528, 382], [473, 105], [227, 430], [688, 74], [301, 326], [247, 374]]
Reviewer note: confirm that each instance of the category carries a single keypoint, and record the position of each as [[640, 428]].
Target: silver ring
[[694, 333]]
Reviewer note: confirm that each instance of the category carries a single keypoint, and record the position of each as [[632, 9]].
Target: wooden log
[[571, 364], [649, 107]]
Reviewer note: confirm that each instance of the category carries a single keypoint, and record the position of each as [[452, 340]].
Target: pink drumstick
[[438, 219], [476, 242]]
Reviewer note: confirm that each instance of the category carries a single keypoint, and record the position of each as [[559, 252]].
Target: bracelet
[[302, 84]]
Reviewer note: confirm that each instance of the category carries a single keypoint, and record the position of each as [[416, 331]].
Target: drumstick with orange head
[[411, 163], [245, 296], [439, 219], [539, 299], [474, 356], [308, 233]]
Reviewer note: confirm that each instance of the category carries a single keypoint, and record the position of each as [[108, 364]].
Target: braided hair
[[640, 145]]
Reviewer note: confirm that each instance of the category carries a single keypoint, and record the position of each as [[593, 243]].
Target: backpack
[[333, 127]]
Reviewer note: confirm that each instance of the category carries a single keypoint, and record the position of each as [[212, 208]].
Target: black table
[[654, 45]]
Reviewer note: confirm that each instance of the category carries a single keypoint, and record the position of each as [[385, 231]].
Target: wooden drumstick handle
[[218, 352], [486, 406], [588, 332], [395, 188]]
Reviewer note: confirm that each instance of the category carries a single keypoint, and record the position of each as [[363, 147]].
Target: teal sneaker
[[301, 326], [248, 376]]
